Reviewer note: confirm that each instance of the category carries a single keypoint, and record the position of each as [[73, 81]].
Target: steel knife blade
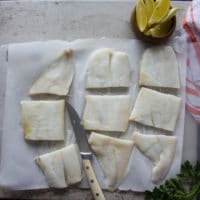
[[80, 133]]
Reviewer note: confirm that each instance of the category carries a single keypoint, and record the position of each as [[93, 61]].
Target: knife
[[85, 152]]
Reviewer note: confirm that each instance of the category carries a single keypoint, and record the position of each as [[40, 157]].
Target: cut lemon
[[141, 15], [149, 4], [147, 32], [160, 11], [161, 30], [172, 12]]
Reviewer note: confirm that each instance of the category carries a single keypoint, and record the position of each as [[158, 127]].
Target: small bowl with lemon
[[153, 20]]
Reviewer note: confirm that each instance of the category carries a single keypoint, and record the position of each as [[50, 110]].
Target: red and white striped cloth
[[191, 28]]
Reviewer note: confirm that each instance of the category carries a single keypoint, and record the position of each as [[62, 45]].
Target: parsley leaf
[[185, 186]]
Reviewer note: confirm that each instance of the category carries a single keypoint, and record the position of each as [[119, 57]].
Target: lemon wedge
[[147, 32], [161, 30], [172, 12], [160, 11], [141, 15], [149, 4]]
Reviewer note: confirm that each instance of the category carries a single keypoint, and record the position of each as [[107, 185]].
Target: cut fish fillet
[[106, 113], [156, 109], [61, 167], [72, 164], [113, 155], [57, 79], [158, 148], [53, 168], [43, 120], [108, 68], [159, 68]]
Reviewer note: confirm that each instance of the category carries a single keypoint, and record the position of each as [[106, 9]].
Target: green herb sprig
[[185, 186]]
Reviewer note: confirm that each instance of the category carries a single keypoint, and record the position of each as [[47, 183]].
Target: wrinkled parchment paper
[[26, 62]]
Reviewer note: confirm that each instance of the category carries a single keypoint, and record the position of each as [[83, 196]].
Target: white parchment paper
[[25, 64]]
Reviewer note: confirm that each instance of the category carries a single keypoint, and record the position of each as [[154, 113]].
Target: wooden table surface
[[24, 21]]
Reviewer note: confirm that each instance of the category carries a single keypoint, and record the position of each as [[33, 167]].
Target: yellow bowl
[[140, 35]]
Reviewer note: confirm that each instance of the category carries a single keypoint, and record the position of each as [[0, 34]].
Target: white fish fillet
[[120, 70], [61, 167], [43, 120], [106, 113], [98, 71], [72, 164], [57, 79], [113, 155], [159, 68], [108, 68], [156, 109], [53, 168], [158, 148]]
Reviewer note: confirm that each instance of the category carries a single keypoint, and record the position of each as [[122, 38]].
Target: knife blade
[[80, 133], [85, 152]]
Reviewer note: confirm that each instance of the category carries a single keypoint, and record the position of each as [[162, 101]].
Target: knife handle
[[92, 180]]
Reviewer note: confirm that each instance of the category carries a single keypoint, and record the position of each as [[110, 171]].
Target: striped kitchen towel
[[191, 28]]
